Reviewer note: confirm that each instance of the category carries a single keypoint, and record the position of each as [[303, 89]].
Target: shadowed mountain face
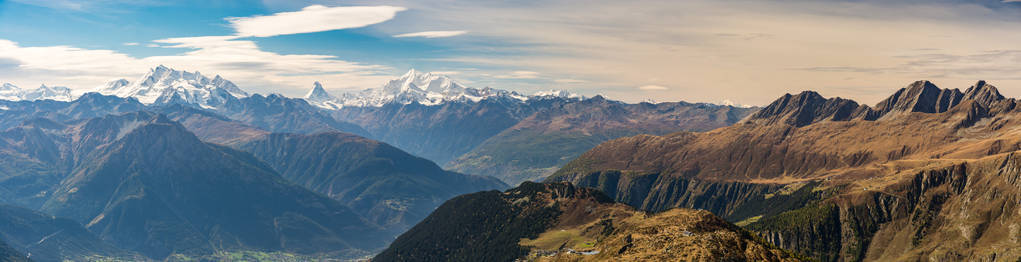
[[386, 185], [837, 180], [144, 183], [558, 222], [7, 253], [106, 175], [44, 238]]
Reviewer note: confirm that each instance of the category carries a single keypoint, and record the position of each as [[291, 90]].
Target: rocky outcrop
[[920, 96], [942, 213], [734, 201], [806, 108], [920, 176], [561, 222]]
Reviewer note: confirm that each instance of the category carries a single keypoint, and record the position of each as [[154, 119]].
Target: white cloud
[[446, 73], [569, 81], [519, 75], [314, 18], [433, 34], [740, 50], [653, 88], [241, 61]]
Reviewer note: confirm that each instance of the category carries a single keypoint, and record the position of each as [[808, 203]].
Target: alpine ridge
[[835, 180], [11, 92], [164, 85], [421, 88]]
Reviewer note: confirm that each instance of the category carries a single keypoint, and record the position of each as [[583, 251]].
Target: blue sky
[[746, 52]]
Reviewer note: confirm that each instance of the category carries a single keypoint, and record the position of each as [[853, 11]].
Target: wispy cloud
[[433, 34], [315, 18], [741, 50], [131, 43], [446, 73], [242, 61], [519, 75], [568, 81], [653, 88]]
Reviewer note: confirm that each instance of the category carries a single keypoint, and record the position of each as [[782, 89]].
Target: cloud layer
[[314, 18], [433, 34]]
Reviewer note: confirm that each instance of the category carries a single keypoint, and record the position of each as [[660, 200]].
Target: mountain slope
[[7, 253], [155, 188], [280, 114], [89, 105], [384, 184], [44, 238], [546, 140], [834, 179], [558, 222], [209, 126], [439, 132]]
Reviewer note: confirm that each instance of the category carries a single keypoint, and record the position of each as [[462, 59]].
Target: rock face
[[806, 108], [835, 180], [558, 222], [922, 97]]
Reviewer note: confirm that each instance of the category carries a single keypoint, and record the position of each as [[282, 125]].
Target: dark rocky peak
[[920, 96], [983, 93], [806, 108]]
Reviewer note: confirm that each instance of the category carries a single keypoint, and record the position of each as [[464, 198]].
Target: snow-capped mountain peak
[[319, 97], [14, 93], [415, 81], [318, 93], [166, 85], [555, 94], [422, 88]]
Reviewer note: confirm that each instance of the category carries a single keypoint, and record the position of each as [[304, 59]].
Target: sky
[[736, 51]]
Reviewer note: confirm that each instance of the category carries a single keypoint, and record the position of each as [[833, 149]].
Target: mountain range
[[11, 92], [484, 131], [504, 134], [925, 174], [180, 166]]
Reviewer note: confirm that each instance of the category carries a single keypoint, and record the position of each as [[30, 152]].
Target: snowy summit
[[14, 93], [163, 85], [418, 87]]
